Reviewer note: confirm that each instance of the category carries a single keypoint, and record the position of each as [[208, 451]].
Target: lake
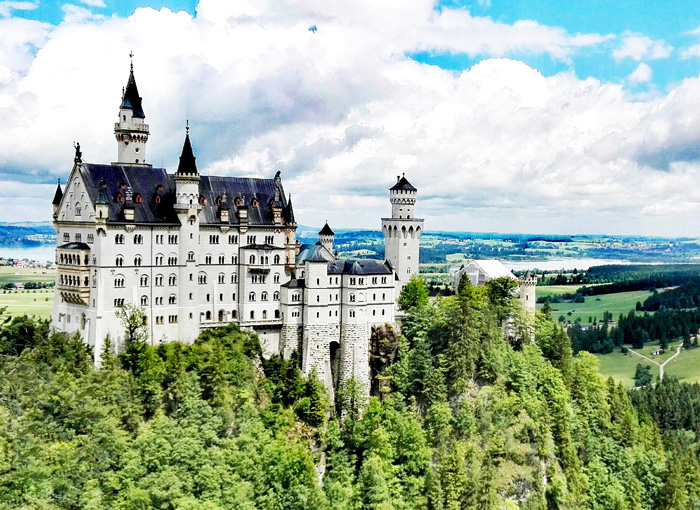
[[41, 254], [567, 264]]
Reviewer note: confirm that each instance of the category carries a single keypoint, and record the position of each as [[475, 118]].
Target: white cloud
[[638, 47], [341, 112], [93, 3], [7, 7], [642, 74]]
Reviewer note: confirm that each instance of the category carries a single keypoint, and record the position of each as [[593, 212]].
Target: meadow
[[594, 306], [36, 303], [26, 274]]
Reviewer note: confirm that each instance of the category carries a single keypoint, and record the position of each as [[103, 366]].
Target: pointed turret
[[131, 131], [57, 197], [187, 165], [326, 237]]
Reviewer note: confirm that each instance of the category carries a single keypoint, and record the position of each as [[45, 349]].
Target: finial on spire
[[187, 127], [131, 56]]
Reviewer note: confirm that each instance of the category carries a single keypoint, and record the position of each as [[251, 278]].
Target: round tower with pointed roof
[[528, 287], [131, 131], [326, 237], [402, 232]]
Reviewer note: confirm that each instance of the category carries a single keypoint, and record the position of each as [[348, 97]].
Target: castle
[[197, 252]]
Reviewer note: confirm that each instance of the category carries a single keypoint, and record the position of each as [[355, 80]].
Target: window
[[172, 280], [172, 319], [119, 239], [234, 314], [138, 239], [277, 314], [251, 239], [295, 296], [251, 296], [207, 259], [352, 298], [252, 259], [144, 300], [159, 301], [234, 278], [252, 314], [233, 296], [138, 198], [263, 296], [221, 259], [119, 282], [221, 297], [362, 281], [352, 281], [119, 302], [269, 239], [374, 280], [208, 297], [276, 296], [232, 239], [172, 299], [172, 239], [383, 279], [214, 239], [119, 262], [137, 260], [78, 210], [190, 296], [222, 278], [159, 280], [159, 239], [91, 238], [172, 260], [318, 299], [264, 314], [66, 237], [352, 313], [234, 259], [78, 238], [295, 313], [159, 260], [144, 280], [202, 278], [190, 257]]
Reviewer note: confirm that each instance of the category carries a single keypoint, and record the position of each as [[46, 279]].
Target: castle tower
[[528, 285], [187, 207], [326, 237], [131, 131], [58, 196], [402, 232]]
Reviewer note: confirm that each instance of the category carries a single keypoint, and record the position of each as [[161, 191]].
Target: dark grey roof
[[146, 181], [131, 99], [246, 190], [326, 231], [295, 283], [58, 195], [74, 246], [187, 163], [402, 184], [366, 266], [261, 247]]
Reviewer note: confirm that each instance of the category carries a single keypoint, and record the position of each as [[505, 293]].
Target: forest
[[461, 416]]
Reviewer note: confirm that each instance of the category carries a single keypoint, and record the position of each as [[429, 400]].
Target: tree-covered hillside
[[463, 418]]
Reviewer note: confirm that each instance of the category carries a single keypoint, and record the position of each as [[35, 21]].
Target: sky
[[508, 116]]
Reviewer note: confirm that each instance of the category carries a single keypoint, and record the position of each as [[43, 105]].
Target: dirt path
[[660, 365]]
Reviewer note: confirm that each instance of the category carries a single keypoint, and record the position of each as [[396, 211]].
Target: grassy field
[[621, 367], [685, 367], [24, 275], [30, 302], [594, 306]]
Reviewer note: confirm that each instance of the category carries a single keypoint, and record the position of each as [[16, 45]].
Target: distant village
[[25, 263]]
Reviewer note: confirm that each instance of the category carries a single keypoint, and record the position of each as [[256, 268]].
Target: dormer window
[[202, 201], [137, 199], [119, 198], [156, 199], [254, 203], [239, 202]]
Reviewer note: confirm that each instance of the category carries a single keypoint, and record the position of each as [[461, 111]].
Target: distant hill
[[26, 234]]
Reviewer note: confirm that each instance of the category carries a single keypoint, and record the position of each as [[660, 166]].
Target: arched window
[[144, 300], [119, 281], [264, 314], [234, 314], [222, 278], [252, 314], [234, 259], [277, 314], [172, 299], [137, 260], [277, 259], [276, 278], [144, 280], [263, 296], [222, 259], [208, 316], [252, 259], [276, 296], [172, 280], [202, 279], [190, 256], [119, 261], [207, 259], [234, 278], [251, 296]]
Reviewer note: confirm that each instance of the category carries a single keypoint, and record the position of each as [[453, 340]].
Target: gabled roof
[[326, 231], [74, 246], [131, 99], [366, 266], [295, 283], [402, 184], [314, 253], [493, 268], [58, 196]]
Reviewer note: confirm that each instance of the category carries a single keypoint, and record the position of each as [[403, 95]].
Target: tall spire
[[131, 131], [58, 196], [130, 98], [187, 163]]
